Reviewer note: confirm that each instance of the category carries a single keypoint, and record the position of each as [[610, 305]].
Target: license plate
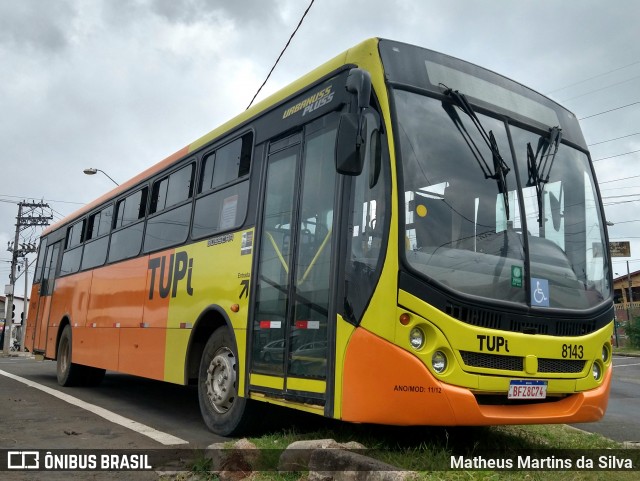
[[527, 389]]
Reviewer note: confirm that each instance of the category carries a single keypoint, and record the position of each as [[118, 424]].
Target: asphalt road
[[165, 407], [174, 411], [622, 419]]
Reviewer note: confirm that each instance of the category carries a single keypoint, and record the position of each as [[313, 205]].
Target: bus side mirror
[[350, 139]]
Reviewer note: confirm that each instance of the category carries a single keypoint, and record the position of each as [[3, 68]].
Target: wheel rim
[[221, 380]]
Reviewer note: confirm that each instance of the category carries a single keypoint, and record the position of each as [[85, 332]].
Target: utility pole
[[24, 219], [630, 296], [8, 303], [25, 307]]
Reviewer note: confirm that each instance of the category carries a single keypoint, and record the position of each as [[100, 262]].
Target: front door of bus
[[291, 328], [45, 291]]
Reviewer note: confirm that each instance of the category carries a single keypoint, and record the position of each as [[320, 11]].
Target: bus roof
[[349, 56]]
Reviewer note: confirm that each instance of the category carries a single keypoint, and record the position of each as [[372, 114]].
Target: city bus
[[398, 237]]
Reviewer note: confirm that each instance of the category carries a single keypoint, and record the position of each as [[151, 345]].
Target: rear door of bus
[[47, 284]]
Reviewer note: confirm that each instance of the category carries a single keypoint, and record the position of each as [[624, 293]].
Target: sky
[[119, 85]]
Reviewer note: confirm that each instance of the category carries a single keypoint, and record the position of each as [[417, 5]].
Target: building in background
[[16, 315], [626, 304]]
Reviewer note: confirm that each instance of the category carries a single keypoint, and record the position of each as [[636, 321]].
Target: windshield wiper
[[539, 170], [500, 168]]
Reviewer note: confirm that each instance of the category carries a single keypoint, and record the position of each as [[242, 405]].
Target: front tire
[[224, 412]]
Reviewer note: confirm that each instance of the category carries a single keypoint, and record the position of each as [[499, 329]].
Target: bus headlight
[[416, 338], [439, 362], [605, 353], [597, 371]]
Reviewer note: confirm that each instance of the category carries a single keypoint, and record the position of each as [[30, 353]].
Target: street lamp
[[93, 171]]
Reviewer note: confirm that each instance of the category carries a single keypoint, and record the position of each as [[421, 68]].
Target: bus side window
[[49, 269], [131, 208], [224, 188], [97, 238], [126, 242], [172, 189], [41, 253], [73, 249], [171, 225]]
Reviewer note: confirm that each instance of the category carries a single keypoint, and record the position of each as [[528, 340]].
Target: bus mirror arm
[[350, 141], [359, 83]]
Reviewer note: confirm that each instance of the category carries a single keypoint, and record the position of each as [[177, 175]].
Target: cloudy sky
[[120, 84]]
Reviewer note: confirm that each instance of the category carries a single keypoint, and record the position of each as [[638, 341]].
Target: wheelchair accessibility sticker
[[539, 292]]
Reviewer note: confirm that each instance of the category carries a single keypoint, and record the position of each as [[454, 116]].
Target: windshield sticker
[[539, 292], [516, 276], [247, 243]]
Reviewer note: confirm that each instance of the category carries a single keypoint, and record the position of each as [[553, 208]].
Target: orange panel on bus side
[[96, 346], [142, 352], [117, 294], [40, 342], [142, 348], [384, 384], [34, 300], [70, 300]]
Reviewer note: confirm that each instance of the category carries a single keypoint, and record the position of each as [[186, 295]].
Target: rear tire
[[69, 373], [223, 411]]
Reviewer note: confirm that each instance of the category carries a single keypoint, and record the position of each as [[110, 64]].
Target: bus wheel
[[69, 374], [224, 412]]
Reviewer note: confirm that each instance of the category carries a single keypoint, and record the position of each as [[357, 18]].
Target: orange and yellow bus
[[398, 237]]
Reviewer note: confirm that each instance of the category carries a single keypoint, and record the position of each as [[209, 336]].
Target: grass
[[428, 451]]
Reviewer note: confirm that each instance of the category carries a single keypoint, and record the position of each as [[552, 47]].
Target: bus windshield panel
[[501, 209]]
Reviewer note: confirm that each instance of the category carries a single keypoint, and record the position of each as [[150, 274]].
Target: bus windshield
[[467, 232]]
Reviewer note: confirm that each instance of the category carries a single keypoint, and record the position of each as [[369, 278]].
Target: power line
[[619, 180], [594, 77], [620, 202], [600, 89], [607, 111], [618, 155], [626, 221], [281, 53], [32, 197], [618, 189], [611, 140], [619, 196]]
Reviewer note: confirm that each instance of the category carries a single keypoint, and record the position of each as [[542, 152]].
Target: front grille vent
[[491, 361], [528, 325], [574, 328], [476, 317], [516, 363], [560, 366]]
